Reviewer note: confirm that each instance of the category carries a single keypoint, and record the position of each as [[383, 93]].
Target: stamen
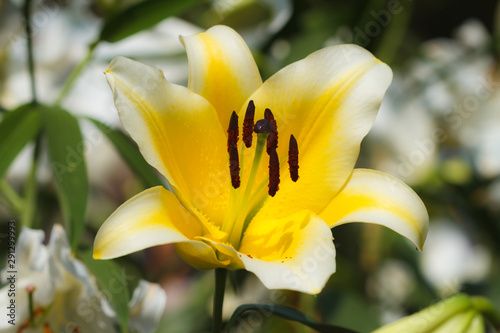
[[274, 173], [248, 124], [234, 166], [272, 142], [272, 139], [293, 159], [268, 115], [232, 144], [232, 132]]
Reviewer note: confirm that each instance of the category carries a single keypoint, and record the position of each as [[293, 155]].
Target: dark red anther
[[272, 142], [272, 138], [274, 173], [232, 132], [268, 115], [293, 159], [248, 124], [234, 166], [232, 149]]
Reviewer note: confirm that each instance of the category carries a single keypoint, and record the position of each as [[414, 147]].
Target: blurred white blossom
[[65, 296], [451, 258], [446, 95]]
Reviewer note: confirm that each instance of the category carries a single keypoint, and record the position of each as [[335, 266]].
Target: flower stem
[[11, 196], [75, 74], [220, 286], [394, 34], [30, 289], [29, 39], [30, 189]]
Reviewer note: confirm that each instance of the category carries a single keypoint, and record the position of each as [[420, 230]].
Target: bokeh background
[[438, 130]]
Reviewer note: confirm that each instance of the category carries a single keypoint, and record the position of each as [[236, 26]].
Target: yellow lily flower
[[219, 213]]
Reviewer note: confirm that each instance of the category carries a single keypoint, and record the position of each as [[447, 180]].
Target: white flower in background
[[62, 34], [65, 296], [451, 258], [146, 307], [392, 285], [447, 94]]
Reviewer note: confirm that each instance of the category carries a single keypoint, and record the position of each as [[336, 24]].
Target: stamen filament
[[261, 141], [235, 233], [259, 197]]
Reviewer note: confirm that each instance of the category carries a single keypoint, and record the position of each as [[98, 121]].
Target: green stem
[[28, 214], [30, 290], [11, 195], [365, 16], [220, 286], [75, 74], [488, 310], [394, 34], [29, 39]]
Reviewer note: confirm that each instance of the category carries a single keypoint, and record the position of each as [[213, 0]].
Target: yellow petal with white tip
[[328, 102], [375, 197], [178, 133], [150, 218], [295, 252], [221, 69]]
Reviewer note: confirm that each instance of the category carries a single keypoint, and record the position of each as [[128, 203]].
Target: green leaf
[[287, 313], [142, 16], [17, 129], [67, 160], [130, 153], [112, 282]]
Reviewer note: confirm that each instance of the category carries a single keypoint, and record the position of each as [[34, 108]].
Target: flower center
[[244, 206]]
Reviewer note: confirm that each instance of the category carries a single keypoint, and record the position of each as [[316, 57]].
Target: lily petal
[[178, 133], [375, 197], [328, 101], [294, 253], [150, 218], [203, 255], [221, 69]]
